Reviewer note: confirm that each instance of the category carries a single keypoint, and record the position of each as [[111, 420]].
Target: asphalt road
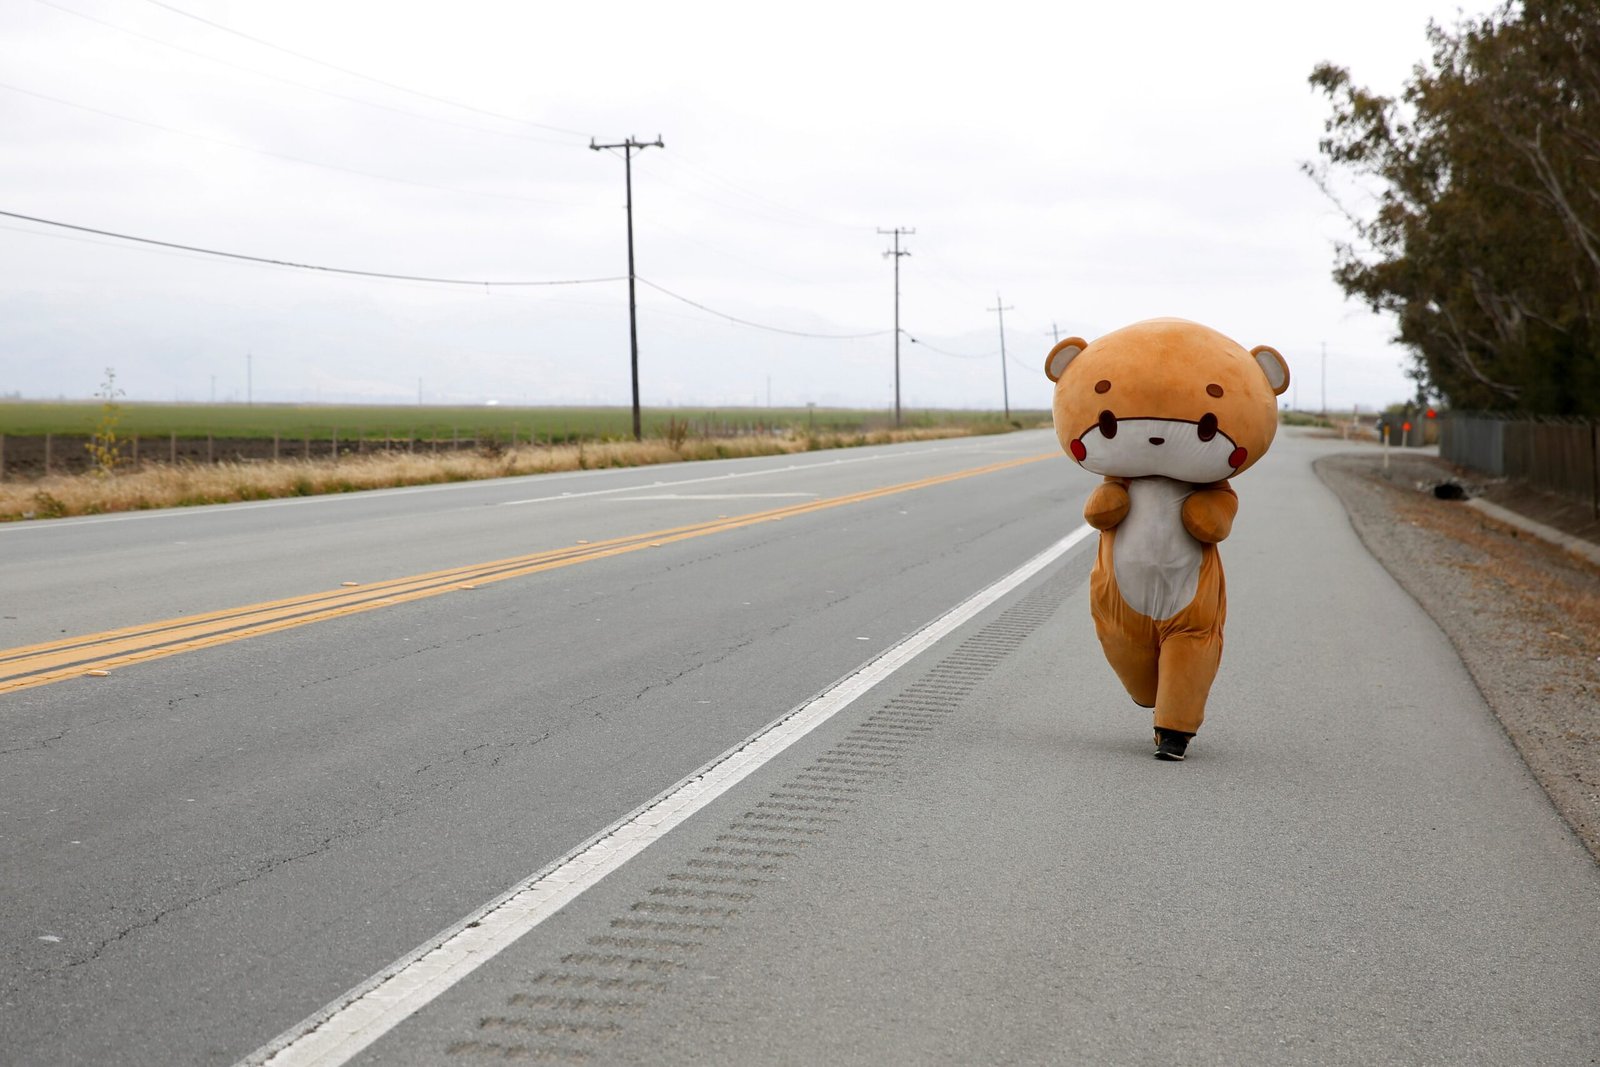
[[976, 861]]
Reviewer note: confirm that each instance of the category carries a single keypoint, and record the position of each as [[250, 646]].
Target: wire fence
[[26, 456], [1558, 455]]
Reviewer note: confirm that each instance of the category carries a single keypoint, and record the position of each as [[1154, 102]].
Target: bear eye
[[1102, 386], [1214, 390]]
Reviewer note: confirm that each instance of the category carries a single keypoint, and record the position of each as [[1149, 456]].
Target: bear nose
[[1108, 425], [1158, 440]]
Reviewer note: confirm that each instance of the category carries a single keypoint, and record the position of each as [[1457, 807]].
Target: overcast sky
[[1089, 164]]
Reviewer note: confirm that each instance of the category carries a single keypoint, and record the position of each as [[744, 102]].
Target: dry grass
[[162, 486], [1556, 591]]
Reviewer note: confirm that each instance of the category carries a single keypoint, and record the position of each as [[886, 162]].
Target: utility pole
[[249, 380], [1005, 389], [1324, 378], [1055, 331], [629, 147], [898, 232]]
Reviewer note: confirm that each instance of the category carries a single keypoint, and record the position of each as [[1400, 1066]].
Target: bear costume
[[1166, 410]]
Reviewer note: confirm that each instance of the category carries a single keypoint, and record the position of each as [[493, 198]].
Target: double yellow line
[[36, 665]]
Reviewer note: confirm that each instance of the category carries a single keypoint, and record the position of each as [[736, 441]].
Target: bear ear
[[1055, 364], [1273, 366]]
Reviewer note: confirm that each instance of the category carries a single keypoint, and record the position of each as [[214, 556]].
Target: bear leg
[[1136, 663], [1188, 665]]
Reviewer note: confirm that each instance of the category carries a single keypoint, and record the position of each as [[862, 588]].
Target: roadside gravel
[[1523, 614]]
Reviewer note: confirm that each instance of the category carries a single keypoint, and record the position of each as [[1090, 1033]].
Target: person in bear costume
[[1166, 410]]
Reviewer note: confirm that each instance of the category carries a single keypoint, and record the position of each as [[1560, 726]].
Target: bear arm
[[1107, 505], [1208, 513]]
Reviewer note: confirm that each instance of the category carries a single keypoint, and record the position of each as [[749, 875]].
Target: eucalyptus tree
[[1479, 218]]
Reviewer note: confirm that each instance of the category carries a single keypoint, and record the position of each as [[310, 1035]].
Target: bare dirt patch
[[1523, 614]]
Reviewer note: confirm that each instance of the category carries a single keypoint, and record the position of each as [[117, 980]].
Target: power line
[[357, 74], [973, 355], [653, 224], [1021, 366], [277, 155], [942, 275], [760, 325], [303, 266], [297, 84], [436, 280], [946, 352]]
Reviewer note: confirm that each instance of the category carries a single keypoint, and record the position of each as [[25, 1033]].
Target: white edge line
[[345, 1027]]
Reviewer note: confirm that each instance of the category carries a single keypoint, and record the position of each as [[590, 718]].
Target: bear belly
[[1157, 562]]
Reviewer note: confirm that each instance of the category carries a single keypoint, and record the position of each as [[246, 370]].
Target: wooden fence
[[1559, 456]]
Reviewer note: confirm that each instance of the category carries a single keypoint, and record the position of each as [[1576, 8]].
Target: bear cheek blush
[[1079, 453], [1237, 457]]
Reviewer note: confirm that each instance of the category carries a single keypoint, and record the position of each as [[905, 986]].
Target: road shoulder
[[980, 862], [1523, 614]]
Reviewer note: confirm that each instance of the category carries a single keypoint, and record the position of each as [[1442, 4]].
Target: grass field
[[318, 422]]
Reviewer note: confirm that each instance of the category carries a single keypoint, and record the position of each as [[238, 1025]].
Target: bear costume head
[[1166, 397]]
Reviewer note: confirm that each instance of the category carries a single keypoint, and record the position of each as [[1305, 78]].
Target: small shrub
[[676, 432], [104, 446], [48, 506]]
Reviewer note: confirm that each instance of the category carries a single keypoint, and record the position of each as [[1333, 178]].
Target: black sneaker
[[1170, 744]]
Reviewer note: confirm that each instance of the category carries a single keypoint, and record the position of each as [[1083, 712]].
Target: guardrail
[[1558, 455]]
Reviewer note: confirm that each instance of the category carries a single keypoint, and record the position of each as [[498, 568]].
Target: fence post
[[172, 455], [135, 451], [47, 450], [211, 451]]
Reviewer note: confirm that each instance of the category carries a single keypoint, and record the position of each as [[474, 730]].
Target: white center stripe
[[364, 1014], [875, 458], [713, 496]]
